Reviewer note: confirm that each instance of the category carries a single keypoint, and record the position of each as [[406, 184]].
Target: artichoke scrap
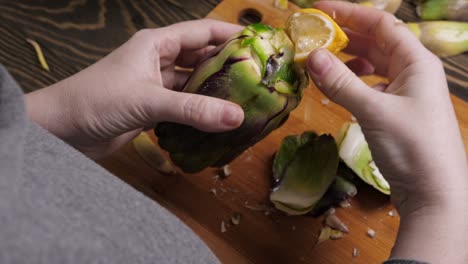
[[355, 153], [443, 38], [304, 168], [454, 10], [255, 70]]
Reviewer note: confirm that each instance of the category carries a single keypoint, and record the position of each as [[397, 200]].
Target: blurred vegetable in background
[[443, 38], [443, 9], [390, 6]]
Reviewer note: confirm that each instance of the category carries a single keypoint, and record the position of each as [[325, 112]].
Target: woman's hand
[[106, 105], [410, 126]]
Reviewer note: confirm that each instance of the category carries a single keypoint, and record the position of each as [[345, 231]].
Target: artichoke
[[254, 69], [303, 169]]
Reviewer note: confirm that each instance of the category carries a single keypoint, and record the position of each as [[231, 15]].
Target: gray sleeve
[[58, 206], [403, 261]]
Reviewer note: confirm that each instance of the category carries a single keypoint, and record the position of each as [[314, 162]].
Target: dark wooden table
[[76, 33]]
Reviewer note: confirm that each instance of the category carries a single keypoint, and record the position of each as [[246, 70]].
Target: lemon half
[[310, 29]]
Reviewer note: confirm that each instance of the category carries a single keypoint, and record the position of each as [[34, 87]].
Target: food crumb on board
[[213, 191], [334, 15], [371, 233], [324, 101], [223, 226], [235, 219], [334, 222], [391, 213], [353, 119], [355, 252], [226, 171]]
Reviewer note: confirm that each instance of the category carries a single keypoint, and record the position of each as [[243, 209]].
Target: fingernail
[[318, 62], [232, 116]]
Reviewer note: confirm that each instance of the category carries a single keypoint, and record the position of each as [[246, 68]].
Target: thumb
[[203, 112], [339, 83]]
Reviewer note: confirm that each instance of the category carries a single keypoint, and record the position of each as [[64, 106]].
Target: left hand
[[106, 105]]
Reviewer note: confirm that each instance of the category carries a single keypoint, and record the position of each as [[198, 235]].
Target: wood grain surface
[[74, 34]]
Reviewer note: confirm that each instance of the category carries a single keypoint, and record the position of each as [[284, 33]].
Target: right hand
[[410, 125]]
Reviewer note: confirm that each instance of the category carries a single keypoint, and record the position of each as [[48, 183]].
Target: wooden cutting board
[[204, 201]]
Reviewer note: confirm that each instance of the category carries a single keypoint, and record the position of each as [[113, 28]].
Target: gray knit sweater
[[57, 206]]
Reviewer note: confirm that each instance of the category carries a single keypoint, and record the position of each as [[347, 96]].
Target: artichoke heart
[[255, 70], [303, 169]]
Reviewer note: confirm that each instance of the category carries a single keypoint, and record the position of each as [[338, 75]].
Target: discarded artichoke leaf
[[152, 155], [340, 190], [303, 180], [287, 150], [355, 153], [334, 222], [281, 4], [245, 70], [327, 233], [390, 6], [455, 10], [39, 54], [443, 38]]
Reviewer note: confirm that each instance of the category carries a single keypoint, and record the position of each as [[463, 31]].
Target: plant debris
[[324, 101], [334, 222], [371, 233], [391, 213], [258, 207], [152, 154], [345, 204], [355, 252], [226, 171], [213, 191], [223, 226], [40, 55], [235, 219], [327, 233], [281, 4]]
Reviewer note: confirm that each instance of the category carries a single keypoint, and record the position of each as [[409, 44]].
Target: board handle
[[246, 12]]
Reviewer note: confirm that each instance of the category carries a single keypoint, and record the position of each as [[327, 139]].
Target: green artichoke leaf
[[284, 155], [305, 176], [340, 190]]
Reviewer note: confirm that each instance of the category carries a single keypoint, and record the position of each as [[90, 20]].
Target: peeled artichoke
[[254, 69]]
